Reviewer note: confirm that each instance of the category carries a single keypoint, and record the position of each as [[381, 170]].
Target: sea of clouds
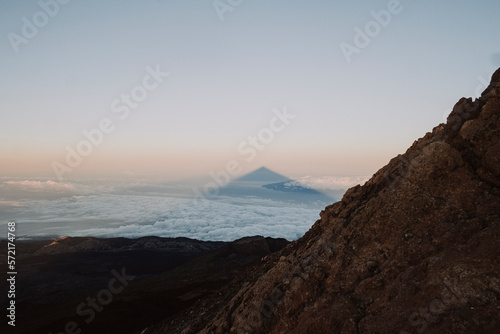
[[47, 208]]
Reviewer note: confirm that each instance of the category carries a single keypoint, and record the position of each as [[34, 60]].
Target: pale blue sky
[[227, 76]]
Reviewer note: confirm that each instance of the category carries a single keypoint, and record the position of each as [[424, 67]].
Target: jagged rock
[[414, 249]]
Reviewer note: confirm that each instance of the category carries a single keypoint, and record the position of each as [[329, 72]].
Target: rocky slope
[[415, 249]]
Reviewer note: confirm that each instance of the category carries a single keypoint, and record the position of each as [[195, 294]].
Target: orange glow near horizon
[[180, 165]]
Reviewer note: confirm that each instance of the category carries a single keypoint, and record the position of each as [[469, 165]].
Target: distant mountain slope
[[295, 188], [414, 250], [291, 186]]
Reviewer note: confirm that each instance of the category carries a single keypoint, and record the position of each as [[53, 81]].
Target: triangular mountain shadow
[[263, 175], [267, 184]]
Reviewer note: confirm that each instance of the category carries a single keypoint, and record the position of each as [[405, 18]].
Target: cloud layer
[[48, 185], [153, 210], [222, 219]]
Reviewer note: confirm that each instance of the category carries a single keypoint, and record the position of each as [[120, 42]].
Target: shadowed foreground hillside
[[118, 285], [414, 250]]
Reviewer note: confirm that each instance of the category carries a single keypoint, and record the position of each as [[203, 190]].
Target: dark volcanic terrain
[[166, 276]]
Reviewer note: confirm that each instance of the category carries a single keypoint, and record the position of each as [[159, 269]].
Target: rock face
[[415, 249]]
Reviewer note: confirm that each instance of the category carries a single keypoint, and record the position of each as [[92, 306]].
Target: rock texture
[[415, 249]]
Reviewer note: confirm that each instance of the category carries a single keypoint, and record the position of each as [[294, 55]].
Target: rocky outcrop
[[413, 250]]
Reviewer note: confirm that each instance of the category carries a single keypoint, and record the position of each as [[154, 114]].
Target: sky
[[172, 89]]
